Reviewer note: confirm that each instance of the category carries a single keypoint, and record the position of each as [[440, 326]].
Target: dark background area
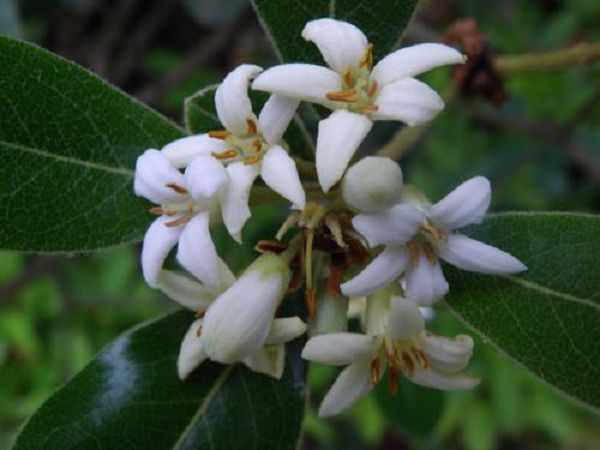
[[540, 147]]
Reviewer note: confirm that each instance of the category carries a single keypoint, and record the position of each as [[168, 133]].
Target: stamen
[[393, 380], [270, 246], [231, 153], [199, 330], [251, 124], [430, 253], [433, 231], [251, 159], [348, 78], [177, 188], [199, 315], [156, 210], [310, 298], [291, 220], [375, 371], [410, 364], [366, 61], [347, 96], [420, 356], [333, 225], [370, 109], [373, 89], [395, 359], [177, 222], [219, 134], [257, 145], [413, 253]]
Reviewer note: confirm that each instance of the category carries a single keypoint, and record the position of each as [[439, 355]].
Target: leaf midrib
[[204, 405], [68, 160]]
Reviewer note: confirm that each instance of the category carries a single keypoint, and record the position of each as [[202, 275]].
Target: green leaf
[[129, 396], [68, 145], [382, 21], [548, 319], [201, 117]]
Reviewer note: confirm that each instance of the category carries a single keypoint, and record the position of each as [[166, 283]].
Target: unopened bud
[[373, 184]]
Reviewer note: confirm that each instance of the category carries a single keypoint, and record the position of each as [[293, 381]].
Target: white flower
[[415, 235], [238, 322], [268, 359], [396, 338], [358, 94], [250, 146], [373, 184], [186, 200]]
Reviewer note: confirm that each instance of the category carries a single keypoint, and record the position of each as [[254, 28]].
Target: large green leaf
[[201, 116], [548, 319], [130, 397], [68, 144], [383, 21]]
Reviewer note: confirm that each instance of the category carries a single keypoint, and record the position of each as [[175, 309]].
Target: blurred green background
[[541, 149]]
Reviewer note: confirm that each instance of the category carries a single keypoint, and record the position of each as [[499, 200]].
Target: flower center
[[184, 209], [358, 90], [249, 148], [402, 357]]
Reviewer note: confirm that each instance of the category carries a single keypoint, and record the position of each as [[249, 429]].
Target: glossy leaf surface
[[68, 145], [548, 319], [382, 21], [129, 396]]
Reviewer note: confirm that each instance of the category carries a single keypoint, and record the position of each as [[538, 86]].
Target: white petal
[[414, 60], [466, 204], [341, 43], [299, 81], [232, 101], [158, 242], [339, 137], [196, 251], [205, 178], [469, 254], [373, 184], [185, 291], [269, 360], [395, 226], [275, 117], [153, 172], [191, 353], [448, 355], [425, 282], [405, 319], [182, 151], [384, 269], [339, 349], [438, 380], [409, 101], [285, 329], [278, 171], [353, 383], [238, 322], [234, 203]]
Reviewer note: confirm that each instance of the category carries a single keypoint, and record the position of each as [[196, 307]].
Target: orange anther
[[348, 78], [310, 298], [373, 89], [413, 253], [257, 145], [420, 356], [251, 160], [370, 109], [251, 124], [366, 61], [393, 380], [177, 222], [177, 188], [231, 153], [375, 371], [410, 364], [348, 96], [219, 134]]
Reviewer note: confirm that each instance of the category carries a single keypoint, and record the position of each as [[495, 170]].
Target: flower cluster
[[207, 179]]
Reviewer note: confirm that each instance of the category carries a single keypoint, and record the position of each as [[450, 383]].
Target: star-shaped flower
[[416, 235], [357, 92], [248, 146], [185, 203], [396, 338]]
